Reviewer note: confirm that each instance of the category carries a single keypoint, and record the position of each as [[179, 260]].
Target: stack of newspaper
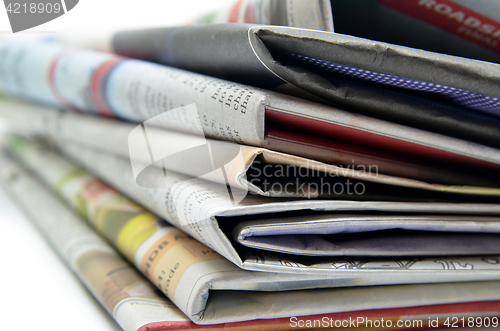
[[261, 177]]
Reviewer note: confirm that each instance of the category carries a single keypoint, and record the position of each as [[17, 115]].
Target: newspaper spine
[[134, 90]]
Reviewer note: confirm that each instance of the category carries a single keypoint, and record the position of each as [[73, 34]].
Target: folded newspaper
[[210, 289], [128, 296], [131, 300], [258, 170], [206, 212], [140, 91], [451, 95], [309, 14], [466, 28], [196, 204], [266, 234]]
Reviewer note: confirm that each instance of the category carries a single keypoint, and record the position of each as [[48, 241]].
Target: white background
[[37, 290], [102, 15]]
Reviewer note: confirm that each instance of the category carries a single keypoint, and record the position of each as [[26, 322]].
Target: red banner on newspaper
[[453, 18]]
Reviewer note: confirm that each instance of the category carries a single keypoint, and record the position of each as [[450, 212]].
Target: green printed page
[[124, 223], [144, 239]]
